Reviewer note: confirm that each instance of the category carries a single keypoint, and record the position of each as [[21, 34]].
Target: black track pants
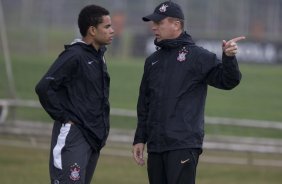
[[173, 167], [72, 161]]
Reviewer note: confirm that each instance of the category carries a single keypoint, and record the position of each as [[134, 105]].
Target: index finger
[[237, 39]]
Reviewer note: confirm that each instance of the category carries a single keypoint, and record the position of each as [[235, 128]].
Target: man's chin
[[107, 43]]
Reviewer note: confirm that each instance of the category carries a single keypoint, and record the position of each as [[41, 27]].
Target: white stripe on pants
[[60, 144]]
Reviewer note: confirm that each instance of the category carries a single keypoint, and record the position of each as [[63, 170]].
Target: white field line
[[127, 153], [231, 143], [132, 113]]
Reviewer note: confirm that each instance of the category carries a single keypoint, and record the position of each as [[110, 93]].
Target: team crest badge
[[182, 55], [163, 8], [75, 170]]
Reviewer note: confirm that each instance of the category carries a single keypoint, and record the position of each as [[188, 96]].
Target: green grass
[[257, 97], [129, 123], [125, 81], [18, 165], [242, 131], [210, 174], [29, 165]]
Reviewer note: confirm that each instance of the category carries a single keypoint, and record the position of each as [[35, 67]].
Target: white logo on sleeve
[[184, 161], [155, 62], [50, 78]]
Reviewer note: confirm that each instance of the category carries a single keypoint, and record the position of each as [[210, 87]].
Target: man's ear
[[177, 25], [92, 30]]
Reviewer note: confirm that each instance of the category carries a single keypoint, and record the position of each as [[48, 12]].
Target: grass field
[[29, 165], [257, 97]]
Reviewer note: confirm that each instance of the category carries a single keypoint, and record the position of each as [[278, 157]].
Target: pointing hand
[[230, 47]]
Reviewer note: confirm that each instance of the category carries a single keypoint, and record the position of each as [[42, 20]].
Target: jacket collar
[[183, 39], [87, 47]]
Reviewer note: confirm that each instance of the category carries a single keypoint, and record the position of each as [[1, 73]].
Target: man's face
[[104, 32], [165, 29]]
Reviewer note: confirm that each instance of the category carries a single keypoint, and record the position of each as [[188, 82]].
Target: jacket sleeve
[[142, 110], [223, 74], [55, 80]]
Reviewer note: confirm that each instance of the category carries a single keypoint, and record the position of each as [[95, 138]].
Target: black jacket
[[173, 92], [76, 88]]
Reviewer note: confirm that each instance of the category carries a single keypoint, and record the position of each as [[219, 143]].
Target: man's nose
[[154, 26]]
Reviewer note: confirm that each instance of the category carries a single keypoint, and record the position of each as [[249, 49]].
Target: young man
[[75, 93], [172, 97]]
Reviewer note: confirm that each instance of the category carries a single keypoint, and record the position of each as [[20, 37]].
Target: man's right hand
[[138, 153], [230, 47]]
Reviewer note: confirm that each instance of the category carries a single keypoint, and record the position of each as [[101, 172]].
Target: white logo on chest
[[181, 57], [182, 54]]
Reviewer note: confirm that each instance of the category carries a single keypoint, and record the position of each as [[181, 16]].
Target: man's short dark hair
[[90, 15]]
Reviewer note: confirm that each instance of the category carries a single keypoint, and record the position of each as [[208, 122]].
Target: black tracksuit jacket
[[173, 93], [76, 88]]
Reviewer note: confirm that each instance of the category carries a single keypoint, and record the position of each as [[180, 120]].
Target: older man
[[172, 97]]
